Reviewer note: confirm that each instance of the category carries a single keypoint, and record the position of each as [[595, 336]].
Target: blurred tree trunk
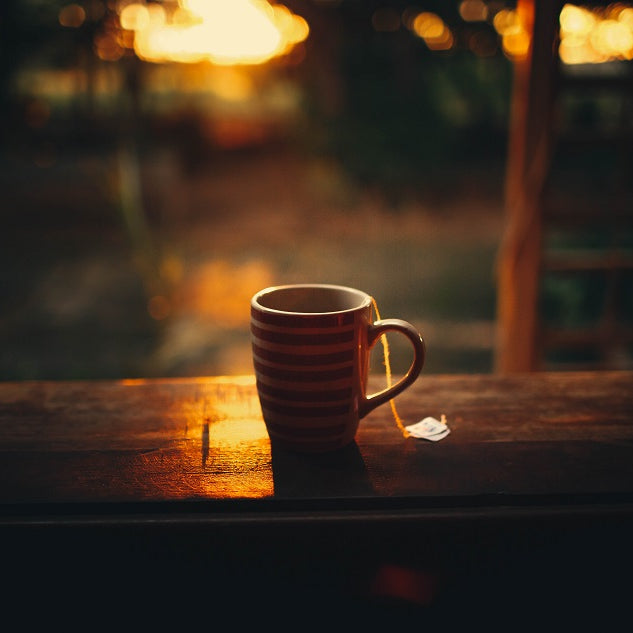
[[528, 160]]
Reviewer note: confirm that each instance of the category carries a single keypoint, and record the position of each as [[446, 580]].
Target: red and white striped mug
[[311, 348]]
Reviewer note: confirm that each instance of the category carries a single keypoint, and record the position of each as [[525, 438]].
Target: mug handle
[[374, 332]]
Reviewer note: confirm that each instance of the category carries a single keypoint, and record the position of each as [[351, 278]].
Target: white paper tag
[[429, 429]]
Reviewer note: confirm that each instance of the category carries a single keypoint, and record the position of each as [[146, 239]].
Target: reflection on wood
[[205, 440]]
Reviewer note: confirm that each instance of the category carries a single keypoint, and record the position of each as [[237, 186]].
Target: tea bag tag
[[426, 429], [429, 428]]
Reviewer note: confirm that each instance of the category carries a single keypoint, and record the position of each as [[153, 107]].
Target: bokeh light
[[592, 36], [473, 10], [515, 40], [72, 16], [433, 30], [224, 33]]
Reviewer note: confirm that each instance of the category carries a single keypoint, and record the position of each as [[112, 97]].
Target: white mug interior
[[311, 299]]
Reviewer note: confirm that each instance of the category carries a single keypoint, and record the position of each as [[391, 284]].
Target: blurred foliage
[[404, 112], [408, 112], [572, 301], [390, 114]]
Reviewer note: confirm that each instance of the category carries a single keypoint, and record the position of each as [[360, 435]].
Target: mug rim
[[364, 298]]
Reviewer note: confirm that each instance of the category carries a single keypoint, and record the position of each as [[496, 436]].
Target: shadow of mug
[[319, 475]]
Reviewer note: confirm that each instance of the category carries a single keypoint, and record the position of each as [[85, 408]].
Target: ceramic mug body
[[311, 347]]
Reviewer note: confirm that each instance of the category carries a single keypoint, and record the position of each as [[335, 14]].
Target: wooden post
[[530, 142]]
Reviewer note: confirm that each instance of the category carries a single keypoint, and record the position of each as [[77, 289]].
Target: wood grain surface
[[204, 439]]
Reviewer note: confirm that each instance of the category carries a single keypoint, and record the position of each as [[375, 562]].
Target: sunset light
[[224, 33], [590, 37], [163, 160], [587, 36], [252, 32]]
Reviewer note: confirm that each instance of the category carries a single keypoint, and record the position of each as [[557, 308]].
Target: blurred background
[[162, 161]]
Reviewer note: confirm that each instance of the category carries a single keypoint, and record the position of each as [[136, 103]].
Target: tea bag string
[[385, 347]]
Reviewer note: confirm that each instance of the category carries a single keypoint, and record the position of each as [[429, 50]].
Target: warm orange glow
[[135, 17], [227, 417], [220, 291], [217, 421], [506, 21], [107, 47], [432, 29], [516, 45], [591, 36], [231, 84], [159, 307], [72, 16], [576, 20], [473, 10], [428, 25], [613, 38], [515, 40], [587, 36], [172, 269], [626, 17], [224, 32], [244, 380]]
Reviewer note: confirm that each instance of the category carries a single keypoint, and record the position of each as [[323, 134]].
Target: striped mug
[[311, 347]]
